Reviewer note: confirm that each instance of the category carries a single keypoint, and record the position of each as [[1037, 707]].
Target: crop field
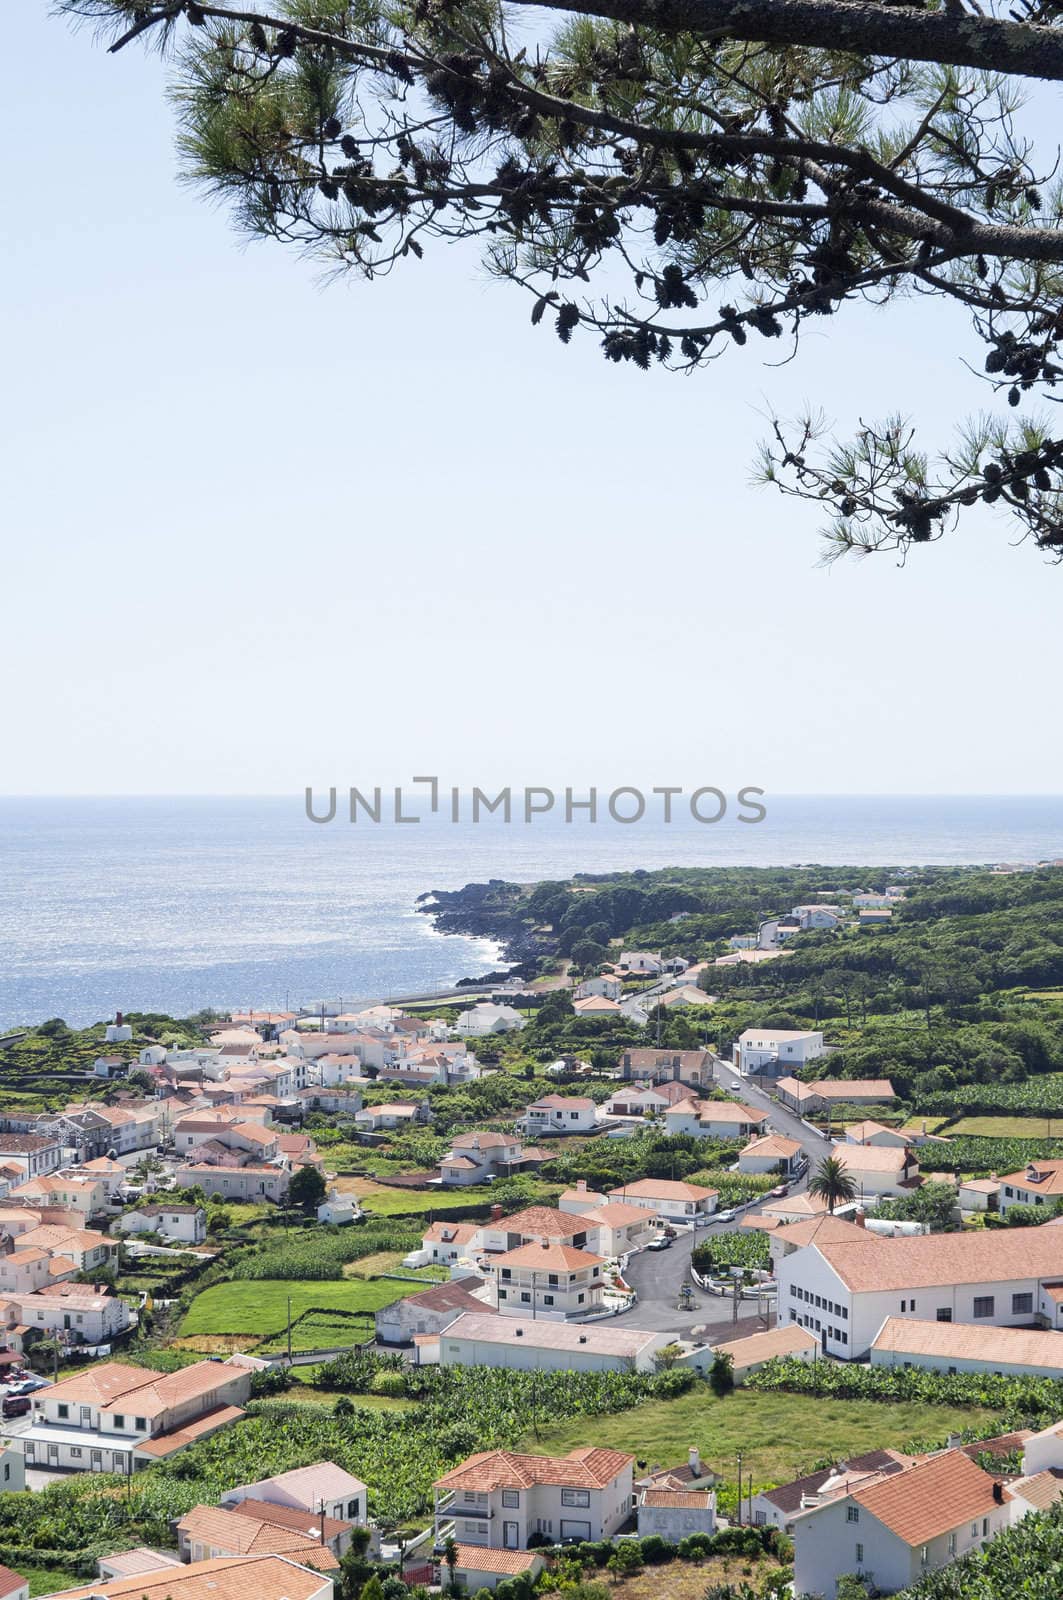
[[385, 1202], [781, 1436], [258, 1309], [1009, 1127]]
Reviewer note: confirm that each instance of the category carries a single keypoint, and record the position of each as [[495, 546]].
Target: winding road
[[658, 1276]]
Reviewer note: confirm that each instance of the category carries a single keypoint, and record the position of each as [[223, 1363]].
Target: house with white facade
[[692, 1067], [486, 1018], [1039, 1183], [579, 1199], [252, 1182], [898, 1527], [617, 1230], [78, 1191], [597, 1005], [826, 1093], [75, 1313], [117, 1418], [533, 1225], [787, 1341], [547, 1279], [430, 1311], [499, 1499], [772, 1052], [177, 1223], [393, 1114], [207, 1532], [775, 1508], [641, 962], [35, 1153], [607, 985], [675, 1514], [817, 918], [555, 1114], [714, 1119], [843, 1287], [879, 1170], [641, 1102], [476, 1157], [770, 1153], [446, 1242], [319, 1490], [670, 1201]]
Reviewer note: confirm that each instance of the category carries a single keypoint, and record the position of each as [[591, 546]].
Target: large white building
[[846, 1282], [670, 1201], [714, 1119], [548, 1279], [773, 1051], [962, 1347]]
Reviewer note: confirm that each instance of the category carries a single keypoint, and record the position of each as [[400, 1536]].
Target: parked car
[[16, 1405], [29, 1386], [724, 1216], [659, 1242], [779, 1190]]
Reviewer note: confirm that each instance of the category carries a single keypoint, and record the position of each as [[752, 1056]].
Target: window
[[119, 1422], [75, 1450], [859, 1555], [525, 1297], [141, 1423], [548, 1299], [1020, 1304], [64, 1410], [985, 1526], [352, 1510], [952, 1544], [852, 1514], [575, 1497], [904, 1305], [510, 1498], [944, 1313], [983, 1305]]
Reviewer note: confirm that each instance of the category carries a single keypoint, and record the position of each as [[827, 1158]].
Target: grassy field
[[916, 1124], [390, 1261], [780, 1436], [424, 1203], [688, 1580], [1010, 1127], [259, 1307]]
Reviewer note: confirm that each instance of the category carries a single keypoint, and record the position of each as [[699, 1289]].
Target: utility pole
[[289, 1330], [739, 1488]]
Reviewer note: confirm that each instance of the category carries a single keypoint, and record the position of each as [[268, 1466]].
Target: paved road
[[658, 1276], [782, 1120]]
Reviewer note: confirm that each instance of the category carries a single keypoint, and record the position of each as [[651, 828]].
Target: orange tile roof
[[477, 1558], [662, 1189], [722, 1111], [677, 1499], [818, 1230], [505, 1469], [236, 1535], [1023, 1347], [225, 1578], [773, 1144], [549, 1258], [540, 1222], [167, 1444], [10, 1581], [931, 1498], [873, 1157], [1049, 1179], [928, 1260], [290, 1517], [1040, 1491], [783, 1341]]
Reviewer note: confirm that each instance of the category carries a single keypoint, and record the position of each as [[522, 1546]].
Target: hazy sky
[[262, 532]]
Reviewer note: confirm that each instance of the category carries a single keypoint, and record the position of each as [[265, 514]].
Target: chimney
[[581, 1186], [953, 1441], [860, 1218], [496, 1213], [118, 1019], [694, 1460], [518, 1333]]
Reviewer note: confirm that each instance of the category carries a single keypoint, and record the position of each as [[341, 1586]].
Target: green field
[[259, 1308], [781, 1436], [1009, 1127], [384, 1202]]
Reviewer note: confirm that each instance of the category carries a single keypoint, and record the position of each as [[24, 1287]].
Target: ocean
[[174, 905]]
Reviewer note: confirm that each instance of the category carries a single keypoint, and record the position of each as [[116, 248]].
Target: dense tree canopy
[[676, 178]]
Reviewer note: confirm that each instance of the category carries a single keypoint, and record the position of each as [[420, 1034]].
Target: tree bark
[[1015, 48]]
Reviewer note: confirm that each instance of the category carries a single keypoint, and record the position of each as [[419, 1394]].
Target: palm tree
[[450, 1556], [832, 1182]]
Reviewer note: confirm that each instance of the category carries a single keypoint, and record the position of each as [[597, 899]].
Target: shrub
[[656, 1551]]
